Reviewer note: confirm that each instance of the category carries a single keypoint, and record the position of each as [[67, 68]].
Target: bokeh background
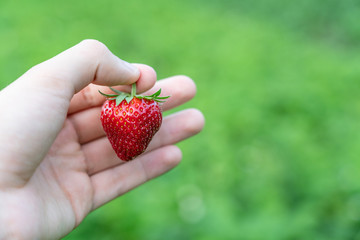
[[278, 82]]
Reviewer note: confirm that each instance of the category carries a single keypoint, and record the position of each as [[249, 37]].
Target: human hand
[[56, 164]]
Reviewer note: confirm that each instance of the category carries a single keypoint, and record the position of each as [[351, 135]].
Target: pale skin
[[56, 164]]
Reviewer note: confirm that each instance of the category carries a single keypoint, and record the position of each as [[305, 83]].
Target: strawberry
[[130, 121]]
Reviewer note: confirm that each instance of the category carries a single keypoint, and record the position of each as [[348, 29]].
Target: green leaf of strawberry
[[130, 121]]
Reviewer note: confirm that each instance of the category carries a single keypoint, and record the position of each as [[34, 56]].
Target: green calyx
[[120, 96]]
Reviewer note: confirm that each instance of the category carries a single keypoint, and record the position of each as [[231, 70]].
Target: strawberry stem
[[133, 89], [120, 96]]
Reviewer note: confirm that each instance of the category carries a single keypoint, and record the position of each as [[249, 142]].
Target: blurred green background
[[278, 82]]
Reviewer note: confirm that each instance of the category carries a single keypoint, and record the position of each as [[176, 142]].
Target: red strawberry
[[130, 121]]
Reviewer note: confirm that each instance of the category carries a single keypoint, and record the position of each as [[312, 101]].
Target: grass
[[278, 84]]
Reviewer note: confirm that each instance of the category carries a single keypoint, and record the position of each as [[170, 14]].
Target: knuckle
[[87, 95], [92, 46]]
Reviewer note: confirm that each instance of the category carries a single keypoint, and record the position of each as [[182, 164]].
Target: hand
[[56, 164]]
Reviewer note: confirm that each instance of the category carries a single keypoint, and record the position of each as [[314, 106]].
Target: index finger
[[90, 97]]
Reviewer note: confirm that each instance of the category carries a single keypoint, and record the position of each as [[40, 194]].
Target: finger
[[180, 88], [179, 126], [116, 181], [35, 106], [90, 97], [88, 125], [100, 155]]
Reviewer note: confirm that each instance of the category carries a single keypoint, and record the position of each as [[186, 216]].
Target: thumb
[[90, 61]]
